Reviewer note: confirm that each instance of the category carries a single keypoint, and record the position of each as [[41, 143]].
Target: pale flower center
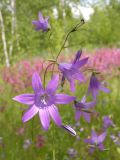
[[44, 98]]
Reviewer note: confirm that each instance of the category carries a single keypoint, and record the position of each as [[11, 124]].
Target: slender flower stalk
[[44, 101]]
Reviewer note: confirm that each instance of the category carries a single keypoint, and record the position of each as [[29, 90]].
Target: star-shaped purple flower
[[42, 23], [82, 109], [71, 71], [44, 101], [107, 122], [95, 85], [96, 141]]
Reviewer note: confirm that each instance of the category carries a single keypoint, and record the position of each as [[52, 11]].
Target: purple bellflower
[[95, 86], [82, 109], [96, 141], [44, 101], [42, 23], [107, 122], [71, 71]]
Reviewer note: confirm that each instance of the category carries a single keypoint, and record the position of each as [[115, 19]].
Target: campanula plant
[[45, 98]]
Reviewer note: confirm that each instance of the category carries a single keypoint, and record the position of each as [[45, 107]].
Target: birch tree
[[4, 40]]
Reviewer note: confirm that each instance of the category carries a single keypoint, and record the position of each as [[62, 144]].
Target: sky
[[78, 10], [85, 11]]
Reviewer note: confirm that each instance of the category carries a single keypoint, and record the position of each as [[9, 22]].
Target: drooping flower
[[44, 101], [42, 23], [71, 71], [95, 85], [107, 122], [82, 109], [96, 141]]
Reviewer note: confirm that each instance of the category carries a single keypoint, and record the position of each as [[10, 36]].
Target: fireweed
[[45, 99]]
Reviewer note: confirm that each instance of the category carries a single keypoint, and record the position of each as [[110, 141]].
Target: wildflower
[[40, 141], [27, 143], [44, 101], [107, 122], [72, 152], [71, 71], [96, 141], [95, 86], [20, 131], [82, 109], [116, 139], [42, 23]]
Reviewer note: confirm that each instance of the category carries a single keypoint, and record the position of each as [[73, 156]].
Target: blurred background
[[23, 51]]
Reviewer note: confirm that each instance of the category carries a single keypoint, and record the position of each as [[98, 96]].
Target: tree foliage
[[101, 30]]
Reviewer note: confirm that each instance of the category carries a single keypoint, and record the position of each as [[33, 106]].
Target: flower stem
[[53, 141], [46, 72], [75, 28], [53, 154], [72, 30]]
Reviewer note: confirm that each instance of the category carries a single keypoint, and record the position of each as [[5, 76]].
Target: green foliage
[[101, 30]]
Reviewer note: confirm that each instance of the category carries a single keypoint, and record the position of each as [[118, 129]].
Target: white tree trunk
[[4, 40], [13, 25]]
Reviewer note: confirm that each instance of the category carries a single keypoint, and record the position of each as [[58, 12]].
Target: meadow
[[64, 58], [28, 140]]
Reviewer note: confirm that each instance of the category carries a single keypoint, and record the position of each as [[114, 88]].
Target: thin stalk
[[44, 79]]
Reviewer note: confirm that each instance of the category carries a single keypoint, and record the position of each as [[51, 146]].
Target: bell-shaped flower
[[96, 141], [71, 71], [82, 108], [107, 122], [42, 23], [44, 101], [95, 86]]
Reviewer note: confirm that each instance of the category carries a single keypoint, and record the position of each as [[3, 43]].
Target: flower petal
[[36, 83], [63, 98], [44, 118], [81, 63], [94, 137], [69, 129], [78, 76], [90, 104], [36, 23], [25, 99], [87, 140], [55, 115], [40, 17], [86, 116], [101, 137], [83, 100], [77, 115], [104, 89], [72, 85], [30, 113], [101, 147], [77, 56], [53, 84]]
